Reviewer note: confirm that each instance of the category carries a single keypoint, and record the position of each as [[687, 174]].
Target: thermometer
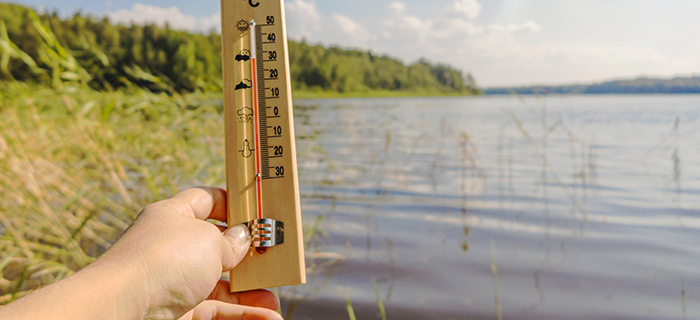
[[261, 168]]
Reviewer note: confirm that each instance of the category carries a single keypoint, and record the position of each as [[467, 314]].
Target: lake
[[575, 207]]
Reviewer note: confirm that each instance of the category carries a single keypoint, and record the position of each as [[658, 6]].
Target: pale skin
[[166, 265]]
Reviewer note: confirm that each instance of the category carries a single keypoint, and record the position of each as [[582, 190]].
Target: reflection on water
[[557, 207]]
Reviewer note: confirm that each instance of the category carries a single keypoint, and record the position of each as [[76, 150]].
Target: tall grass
[[77, 165]]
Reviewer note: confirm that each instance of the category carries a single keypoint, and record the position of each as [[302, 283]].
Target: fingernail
[[239, 233]]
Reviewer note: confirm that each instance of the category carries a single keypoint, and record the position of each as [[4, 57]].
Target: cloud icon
[[245, 115]]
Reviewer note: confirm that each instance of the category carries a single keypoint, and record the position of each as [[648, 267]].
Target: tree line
[[678, 85], [47, 49]]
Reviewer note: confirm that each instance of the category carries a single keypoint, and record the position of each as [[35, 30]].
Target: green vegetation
[[678, 85], [109, 57], [77, 165], [319, 70]]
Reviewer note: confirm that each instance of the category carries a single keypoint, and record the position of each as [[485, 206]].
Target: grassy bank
[[77, 165]]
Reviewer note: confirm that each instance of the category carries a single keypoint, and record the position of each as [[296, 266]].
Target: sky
[[500, 42]]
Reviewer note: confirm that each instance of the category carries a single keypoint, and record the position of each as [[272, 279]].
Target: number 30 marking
[[250, 2]]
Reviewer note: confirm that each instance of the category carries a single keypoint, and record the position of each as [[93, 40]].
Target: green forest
[[46, 49]]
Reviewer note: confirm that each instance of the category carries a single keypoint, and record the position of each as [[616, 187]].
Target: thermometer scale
[[261, 168]]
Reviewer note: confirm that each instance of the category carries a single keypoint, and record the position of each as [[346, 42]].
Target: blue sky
[[501, 42]]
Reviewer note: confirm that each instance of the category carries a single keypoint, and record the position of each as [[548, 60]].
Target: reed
[[380, 303], [496, 294], [76, 166], [351, 310]]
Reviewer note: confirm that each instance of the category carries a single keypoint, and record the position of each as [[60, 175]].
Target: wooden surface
[[281, 265]]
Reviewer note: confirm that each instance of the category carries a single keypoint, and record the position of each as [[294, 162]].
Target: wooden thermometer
[[261, 167]]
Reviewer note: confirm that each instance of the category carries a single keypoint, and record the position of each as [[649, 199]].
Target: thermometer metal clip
[[266, 232]]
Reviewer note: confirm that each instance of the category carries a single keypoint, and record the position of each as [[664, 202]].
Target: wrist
[[122, 294], [100, 291], [141, 266]]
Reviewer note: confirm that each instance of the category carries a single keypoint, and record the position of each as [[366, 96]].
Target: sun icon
[[242, 25]]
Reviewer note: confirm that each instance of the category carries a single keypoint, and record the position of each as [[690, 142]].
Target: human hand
[[182, 257], [166, 265]]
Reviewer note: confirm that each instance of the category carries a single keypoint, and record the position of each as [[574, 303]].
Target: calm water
[[558, 207]]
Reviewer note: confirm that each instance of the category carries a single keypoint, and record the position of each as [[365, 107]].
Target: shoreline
[[303, 94]]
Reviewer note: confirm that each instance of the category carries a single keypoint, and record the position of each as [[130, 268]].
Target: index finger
[[202, 203]]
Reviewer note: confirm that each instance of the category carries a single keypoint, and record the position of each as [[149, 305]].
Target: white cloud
[[457, 28], [209, 23], [350, 27], [145, 14], [396, 7], [446, 37], [438, 38], [304, 20], [528, 26], [142, 14], [306, 8], [467, 8]]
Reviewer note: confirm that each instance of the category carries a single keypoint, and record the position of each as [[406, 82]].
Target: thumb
[[238, 239]]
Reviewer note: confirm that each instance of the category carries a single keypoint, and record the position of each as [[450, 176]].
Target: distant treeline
[[315, 67], [35, 47], [636, 86]]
